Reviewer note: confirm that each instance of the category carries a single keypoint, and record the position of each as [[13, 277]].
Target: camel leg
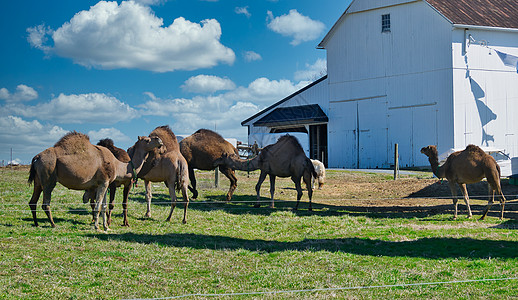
[[46, 203], [100, 207], [172, 194], [92, 204], [453, 190], [186, 203], [125, 195], [298, 187], [262, 177], [192, 187], [309, 187], [112, 189], [466, 198], [229, 173], [33, 203], [490, 202], [149, 195], [502, 204], [272, 189]]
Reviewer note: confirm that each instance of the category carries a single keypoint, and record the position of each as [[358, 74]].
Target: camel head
[[144, 145], [226, 159], [430, 151]]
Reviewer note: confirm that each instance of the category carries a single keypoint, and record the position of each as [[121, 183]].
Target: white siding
[[403, 77], [485, 91]]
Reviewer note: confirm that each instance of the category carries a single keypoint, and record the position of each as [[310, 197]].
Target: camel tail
[[32, 172], [182, 177]]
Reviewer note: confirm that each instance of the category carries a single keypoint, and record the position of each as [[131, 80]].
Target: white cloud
[[37, 36], [129, 35], [313, 72], [112, 133], [207, 84], [83, 108], [222, 111], [252, 56], [295, 25], [23, 93], [243, 11], [28, 138]]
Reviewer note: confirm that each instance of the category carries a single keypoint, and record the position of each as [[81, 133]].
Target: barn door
[[373, 133], [343, 148]]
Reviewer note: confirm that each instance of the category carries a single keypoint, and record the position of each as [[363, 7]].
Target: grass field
[[366, 230]]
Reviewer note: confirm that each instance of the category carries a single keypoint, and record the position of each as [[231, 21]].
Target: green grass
[[235, 248]]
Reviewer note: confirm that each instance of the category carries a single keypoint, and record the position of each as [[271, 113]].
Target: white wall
[[388, 88]]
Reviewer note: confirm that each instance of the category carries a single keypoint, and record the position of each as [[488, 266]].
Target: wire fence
[[332, 289]]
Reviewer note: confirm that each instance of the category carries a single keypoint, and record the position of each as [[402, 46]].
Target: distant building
[[414, 73]]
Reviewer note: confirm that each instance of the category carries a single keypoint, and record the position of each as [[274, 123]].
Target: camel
[[77, 164], [285, 158], [470, 165], [169, 167], [123, 156], [200, 150], [321, 174]]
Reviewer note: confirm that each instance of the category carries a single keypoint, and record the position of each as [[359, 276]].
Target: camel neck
[[434, 163]]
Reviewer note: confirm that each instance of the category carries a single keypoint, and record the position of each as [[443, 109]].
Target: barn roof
[[491, 13], [487, 13]]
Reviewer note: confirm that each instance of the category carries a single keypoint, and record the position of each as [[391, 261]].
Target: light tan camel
[[79, 165], [123, 156], [470, 165], [321, 174], [169, 167], [201, 149], [286, 158]]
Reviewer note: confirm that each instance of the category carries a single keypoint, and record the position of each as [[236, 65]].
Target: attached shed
[[415, 73], [302, 114]]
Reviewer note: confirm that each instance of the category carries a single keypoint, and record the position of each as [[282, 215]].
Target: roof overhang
[[293, 116]]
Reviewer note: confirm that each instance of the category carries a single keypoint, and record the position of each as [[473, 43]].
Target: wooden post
[[216, 177], [396, 161]]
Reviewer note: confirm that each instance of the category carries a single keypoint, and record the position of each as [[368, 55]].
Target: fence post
[[216, 177], [396, 161]]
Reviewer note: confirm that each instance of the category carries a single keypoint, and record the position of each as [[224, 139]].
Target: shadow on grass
[[433, 248]]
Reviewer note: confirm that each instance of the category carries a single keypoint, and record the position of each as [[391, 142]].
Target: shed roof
[[283, 100], [492, 13], [293, 115]]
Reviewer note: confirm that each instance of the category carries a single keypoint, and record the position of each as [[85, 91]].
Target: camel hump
[[108, 143], [73, 142], [119, 153], [474, 149], [291, 140], [167, 136]]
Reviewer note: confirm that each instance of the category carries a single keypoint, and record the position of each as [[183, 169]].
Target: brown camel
[[123, 156], [470, 165], [201, 149], [79, 165], [169, 167], [286, 158]]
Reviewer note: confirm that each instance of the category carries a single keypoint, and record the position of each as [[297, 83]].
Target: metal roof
[[491, 13], [294, 115], [283, 100]]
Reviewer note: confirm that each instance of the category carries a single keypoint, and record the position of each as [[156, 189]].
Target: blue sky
[[120, 69]]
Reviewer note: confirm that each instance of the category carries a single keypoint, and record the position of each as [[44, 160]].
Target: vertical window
[[385, 23]]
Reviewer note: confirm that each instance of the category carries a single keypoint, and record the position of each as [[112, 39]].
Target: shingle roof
[[493, 13]]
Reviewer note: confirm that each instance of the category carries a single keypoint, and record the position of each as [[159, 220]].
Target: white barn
[[415, 73]]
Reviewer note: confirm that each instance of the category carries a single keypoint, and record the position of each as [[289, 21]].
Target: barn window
[[385, 23]]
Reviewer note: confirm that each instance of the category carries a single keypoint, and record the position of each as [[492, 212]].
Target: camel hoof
[[147, 215], [125, 224], [184, 222], [257, 205]]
